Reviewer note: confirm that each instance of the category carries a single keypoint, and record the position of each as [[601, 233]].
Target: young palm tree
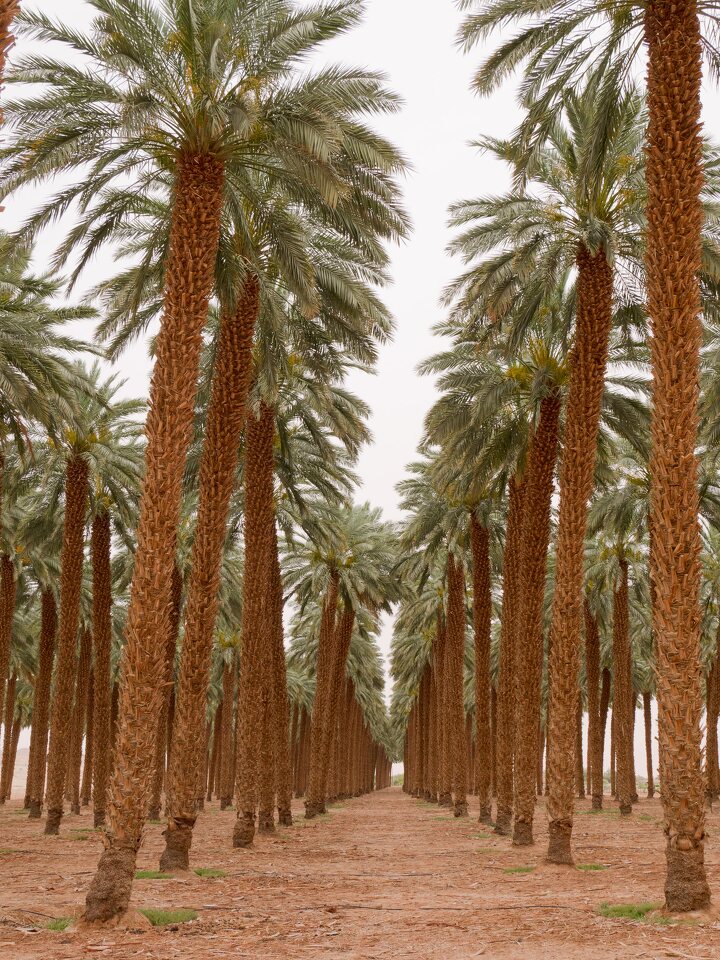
[[563, 41]]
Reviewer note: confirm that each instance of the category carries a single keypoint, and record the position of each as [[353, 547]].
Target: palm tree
[[563, 41], [8, 12], [209, 112], [39, 383]]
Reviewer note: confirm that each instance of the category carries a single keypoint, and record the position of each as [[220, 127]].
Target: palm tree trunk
[[579, 772], [189, 274], [227, 751], [541, 460], [319, 734], [8, 590], [506, 701], [647, 715], [7, 740], [71, 567], [254, 665], [712, 700], [674, 172], [592, 671], [102, 639], [455, 681], [86, 786], [588, 360], [224, 424], [41, 700], [281, 722], [215, 753], [341, 644], [78, 720], [14, 740], [8, 11], [482, 623], [266, 767], [622, 696]]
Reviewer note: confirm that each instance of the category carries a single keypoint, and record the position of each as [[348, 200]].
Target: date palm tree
[[561, 41]]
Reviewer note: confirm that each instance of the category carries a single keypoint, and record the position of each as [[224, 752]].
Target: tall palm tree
[[209, 110], [563, 41]]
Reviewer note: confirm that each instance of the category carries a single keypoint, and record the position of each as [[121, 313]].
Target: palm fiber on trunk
[[41, 700], [482, 624], [454, 680], [538, 491], [102, 639], [257, 602], [71, 569], [188, 282], [223, 429], [588, 359]]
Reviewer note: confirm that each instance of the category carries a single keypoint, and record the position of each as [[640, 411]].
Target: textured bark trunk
[[218, 465], [579, 772], [14, 740], [588, 360], [315, 800], [78, 719], [541, 460], [189, 275], [281, 721], [41, 701], [214, 753], [605, 687], [227, 774], [482, 623], [622, 695], [712, 700], [341, 646], [86, 786], [71, 566], [8, 590], [7, 739], [647, 715], [592, 671], [455, 681], [540, 759], [266, 767], [255, 672], [102, 639], [432, 760], [493, 738], [674, 172], [510, 616]]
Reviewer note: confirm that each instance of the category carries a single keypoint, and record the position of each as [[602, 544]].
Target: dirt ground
[[379, 876]]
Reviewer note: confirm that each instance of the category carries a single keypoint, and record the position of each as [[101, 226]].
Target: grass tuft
[[646, 818], [590, 866], [162, 918], [481, 836], [210, 872], [627, 911], [519, 870], [59, 924], [152, 875]]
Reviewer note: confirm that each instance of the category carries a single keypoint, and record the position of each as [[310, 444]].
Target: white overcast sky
[[413, 42]]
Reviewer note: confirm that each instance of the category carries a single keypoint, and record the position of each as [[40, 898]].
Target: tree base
[[109, 893], [178, 840], [266, 822], [559, 849], [597, 802], [99, 818], [686, 886], [461, 808], [75, 808], [35, 810], [52, 824], [625, 809], [225, 803], [445, 800], [314, 808], [154, 813], [285, 817], [523, 833], [503, 823], [244, 831], [486, 816]]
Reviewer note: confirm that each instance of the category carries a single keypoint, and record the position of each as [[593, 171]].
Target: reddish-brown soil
[[380, 876]]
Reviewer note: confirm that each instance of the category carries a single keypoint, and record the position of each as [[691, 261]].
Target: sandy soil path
[[379, 877]]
